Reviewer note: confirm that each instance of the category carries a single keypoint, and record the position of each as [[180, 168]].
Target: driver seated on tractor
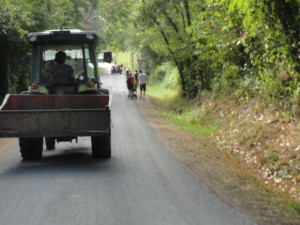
[[60, 71]]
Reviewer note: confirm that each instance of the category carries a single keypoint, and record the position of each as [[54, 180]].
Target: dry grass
[[252, 162]]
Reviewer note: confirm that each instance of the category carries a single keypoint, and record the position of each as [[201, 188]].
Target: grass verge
[[182, 113], [203, 119]]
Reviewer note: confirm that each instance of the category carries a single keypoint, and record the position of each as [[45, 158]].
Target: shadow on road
[[63, 161]]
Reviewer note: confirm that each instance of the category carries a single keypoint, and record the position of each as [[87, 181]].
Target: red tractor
[[59, 106]]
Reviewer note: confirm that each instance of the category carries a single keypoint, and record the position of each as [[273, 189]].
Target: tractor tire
[[31, 148], [101, 147], [50, 143]]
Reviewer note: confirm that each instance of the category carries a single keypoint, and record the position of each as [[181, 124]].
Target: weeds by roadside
[[262, 141]]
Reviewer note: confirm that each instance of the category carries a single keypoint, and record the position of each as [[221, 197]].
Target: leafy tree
[[267, 38], [117, 21], [12, 21], [169, 20]]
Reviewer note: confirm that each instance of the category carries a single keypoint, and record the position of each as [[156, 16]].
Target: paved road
[[141, 184]]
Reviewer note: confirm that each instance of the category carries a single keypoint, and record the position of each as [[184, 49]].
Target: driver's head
[[60, 57]]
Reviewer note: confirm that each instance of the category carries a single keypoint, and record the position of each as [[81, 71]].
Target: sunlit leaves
[[12, 17]]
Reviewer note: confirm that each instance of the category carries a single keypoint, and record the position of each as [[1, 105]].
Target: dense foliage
[[249, 48]]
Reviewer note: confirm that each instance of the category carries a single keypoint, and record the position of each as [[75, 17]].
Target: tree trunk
[[178, 64], [4, 78], [183, 83]]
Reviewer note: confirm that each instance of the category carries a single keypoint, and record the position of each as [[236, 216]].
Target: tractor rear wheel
[[101, 147], [50, 143], [31, 148]]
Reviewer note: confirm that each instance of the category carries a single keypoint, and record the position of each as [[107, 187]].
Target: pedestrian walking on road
[[142, 80], [130, 85]]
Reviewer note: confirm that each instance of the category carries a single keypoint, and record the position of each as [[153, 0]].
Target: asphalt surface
[[141, 184]]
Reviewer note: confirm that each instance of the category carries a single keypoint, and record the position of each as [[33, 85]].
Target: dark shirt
[[130, 80], [62, 73]]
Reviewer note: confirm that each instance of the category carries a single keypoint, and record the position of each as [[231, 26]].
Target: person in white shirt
[[142, 80]]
